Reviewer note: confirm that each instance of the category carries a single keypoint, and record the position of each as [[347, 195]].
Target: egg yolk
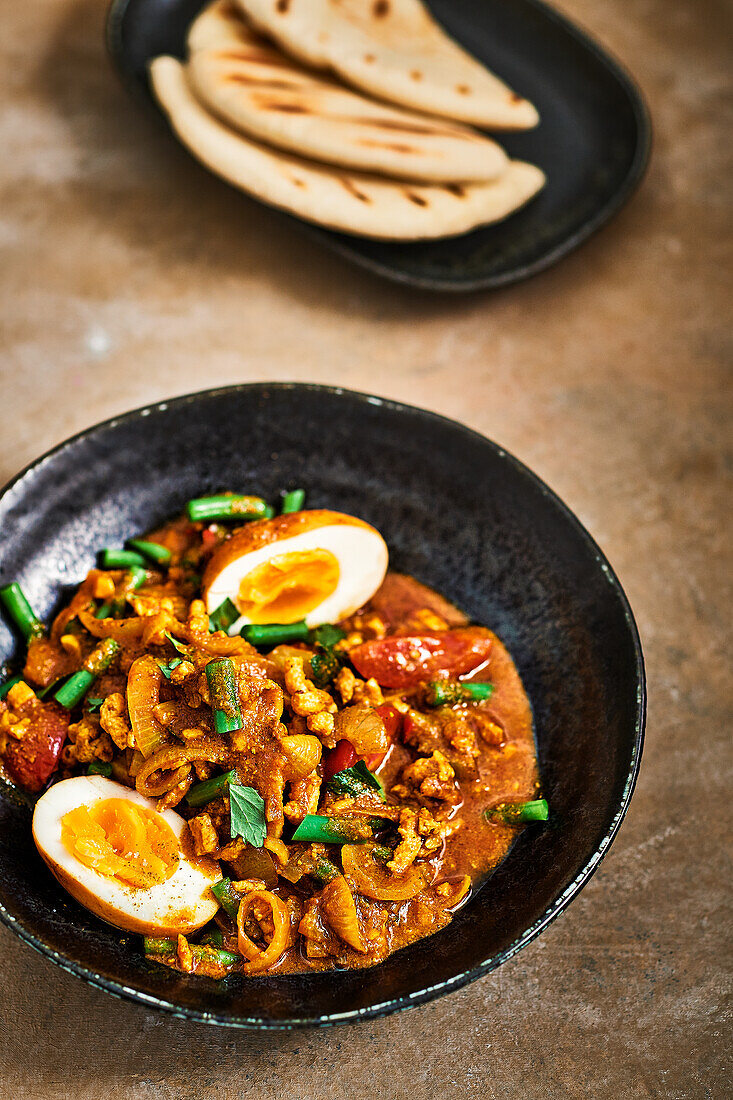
[[288, 586], [122, 840]]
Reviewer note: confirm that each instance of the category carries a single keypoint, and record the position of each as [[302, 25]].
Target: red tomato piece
[[32, 760], [406, 661], [408, 728], [209, 538], [340, 757]]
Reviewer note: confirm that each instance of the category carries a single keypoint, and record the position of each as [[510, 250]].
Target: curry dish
[[260, 749]]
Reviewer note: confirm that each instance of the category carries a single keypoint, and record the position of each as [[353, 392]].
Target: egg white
[[182, 904], [362, 557]]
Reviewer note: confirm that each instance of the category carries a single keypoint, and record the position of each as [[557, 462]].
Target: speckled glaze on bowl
[[592, 143], [460, 514]]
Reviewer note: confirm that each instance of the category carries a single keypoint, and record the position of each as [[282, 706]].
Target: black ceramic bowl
[[460, 514]]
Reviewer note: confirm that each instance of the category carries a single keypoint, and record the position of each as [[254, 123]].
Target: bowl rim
[[557, 906]]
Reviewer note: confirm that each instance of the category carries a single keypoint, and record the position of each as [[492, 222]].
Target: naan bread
[[349, 201], [258, 90], [395, 50]]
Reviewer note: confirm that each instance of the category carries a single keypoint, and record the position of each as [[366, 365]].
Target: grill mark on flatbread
[[258, 82], [256, 59], [405, 127], [282, 6], [412, 149], [353, 189], [417, 199], [286, 108], [380, 8], [455, 189]]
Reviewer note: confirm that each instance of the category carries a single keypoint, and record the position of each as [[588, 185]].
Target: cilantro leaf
[[167, 669], [223, 617], [355, 781], [247, 811], [93, 705]]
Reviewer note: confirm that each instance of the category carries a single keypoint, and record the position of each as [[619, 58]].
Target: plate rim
[[339, 243], [560, 902]]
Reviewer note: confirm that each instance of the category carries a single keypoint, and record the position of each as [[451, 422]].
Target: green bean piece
[[98, 661], [267, 635], [518, 813], [214, 938], [135, 578], [155, 947], [444, 693], [104, 611], [225, 506], [20, 611], [223, 616], [293, 501], [5, 688], [318, 829], [325, 665], [121, 559], [209, 789], [223, 693], [99, 767], [227, 897], [153, 551], [269, 512]]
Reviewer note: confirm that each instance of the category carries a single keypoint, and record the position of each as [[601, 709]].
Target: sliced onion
[[122, 630], [363, 727], [373, 880], [340, 911], [257, 959], [143, 695]]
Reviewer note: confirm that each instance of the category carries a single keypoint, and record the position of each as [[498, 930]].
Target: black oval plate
[[459, 513], [593, 141]]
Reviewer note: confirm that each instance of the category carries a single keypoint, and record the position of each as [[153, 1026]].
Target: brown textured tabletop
[[126, 276]]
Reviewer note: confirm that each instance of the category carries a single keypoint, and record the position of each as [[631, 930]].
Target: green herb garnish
[[167, 667], [247, 810]]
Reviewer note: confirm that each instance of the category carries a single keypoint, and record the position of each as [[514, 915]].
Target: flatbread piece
[[254, 87], [393, 49], [348, 201]]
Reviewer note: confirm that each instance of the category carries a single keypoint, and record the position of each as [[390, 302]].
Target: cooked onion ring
[[170, 760], [374, 881], [259, 960]]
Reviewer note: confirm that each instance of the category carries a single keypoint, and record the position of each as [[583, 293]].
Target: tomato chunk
[[340, 757], [404, 662], [32, 760]]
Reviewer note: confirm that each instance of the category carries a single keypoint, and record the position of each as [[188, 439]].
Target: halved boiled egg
[[320, 566], [111, 850]]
